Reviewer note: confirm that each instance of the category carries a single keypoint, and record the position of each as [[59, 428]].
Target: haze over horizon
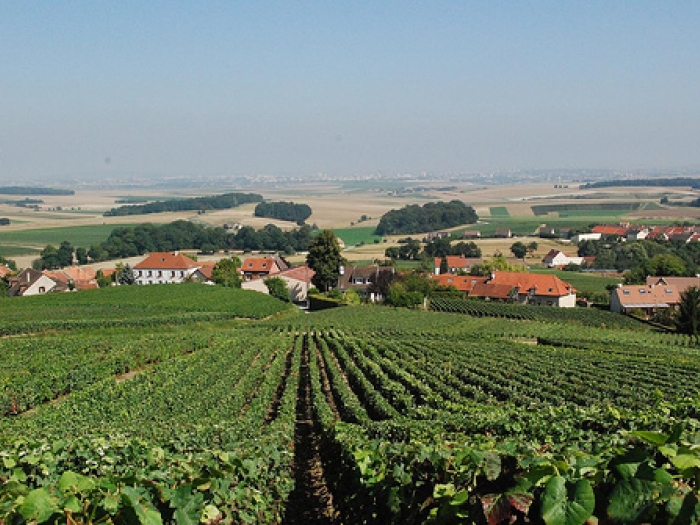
[[101, 89]]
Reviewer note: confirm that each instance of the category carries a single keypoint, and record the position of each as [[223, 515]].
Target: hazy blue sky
[[216, 88]]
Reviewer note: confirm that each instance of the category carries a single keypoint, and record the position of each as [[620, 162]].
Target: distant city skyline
[[100, 90]]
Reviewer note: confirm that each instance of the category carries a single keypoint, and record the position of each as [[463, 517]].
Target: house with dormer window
[[262, 267]]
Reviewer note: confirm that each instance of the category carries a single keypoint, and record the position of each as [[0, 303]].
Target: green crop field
[[192, 404], [84, 236], [355, 236], [499, 211]]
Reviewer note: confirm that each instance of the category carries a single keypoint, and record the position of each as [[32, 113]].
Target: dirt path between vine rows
[[311, 502]]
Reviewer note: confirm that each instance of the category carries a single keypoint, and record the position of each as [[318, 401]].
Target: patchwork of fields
[[198, 404]]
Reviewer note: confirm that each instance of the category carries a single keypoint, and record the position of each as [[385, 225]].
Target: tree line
[[284, 211], [130, 241], [214, 202], [30, 190], [670, 182], [412, 249], [429, 217], [643, 258]]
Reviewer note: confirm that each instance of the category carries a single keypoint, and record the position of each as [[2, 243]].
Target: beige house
[[298, 281], [648, 299]]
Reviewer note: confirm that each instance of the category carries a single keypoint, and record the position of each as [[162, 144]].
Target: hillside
[[178, 410]]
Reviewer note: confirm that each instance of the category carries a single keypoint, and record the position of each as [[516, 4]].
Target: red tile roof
[[541, 283], [491, 290], [610, 230], [463, 283], [641, 296], [300, 273], [458, 261], [167, 261], [259, 265]]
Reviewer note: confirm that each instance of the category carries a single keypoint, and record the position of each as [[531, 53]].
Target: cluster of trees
[[31, 190], [130, 241], [284, 211], [429, 217], [52, 258], [672, 182], [642, 258], [520, 250], [413, 250], [214, 202]]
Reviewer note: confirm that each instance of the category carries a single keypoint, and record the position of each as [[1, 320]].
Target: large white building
[[165, 268]]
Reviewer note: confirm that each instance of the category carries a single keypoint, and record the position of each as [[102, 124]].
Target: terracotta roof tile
[[167, 261]]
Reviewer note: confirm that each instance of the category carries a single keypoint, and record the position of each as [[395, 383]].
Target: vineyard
[[239, 410]]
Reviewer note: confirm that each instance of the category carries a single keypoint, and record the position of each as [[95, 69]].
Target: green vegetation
[[155, 404], [325, 259], [357, 236], [587, 209], [285, 211], [665, 182], [16, 242], [214, 202], [499, 211], [33, 190], [429, 217]]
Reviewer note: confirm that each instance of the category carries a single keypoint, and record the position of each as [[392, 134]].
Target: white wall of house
[[41, 286], [586, 237], [161, 276]]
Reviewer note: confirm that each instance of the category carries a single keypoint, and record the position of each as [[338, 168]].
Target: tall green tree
[[688, 317], [325, 259], [518, 249], [226, 273]]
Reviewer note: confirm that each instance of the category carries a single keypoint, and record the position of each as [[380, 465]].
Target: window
[[172, 274], [626, 292], [150, 273], [42, 289], [160, 273]]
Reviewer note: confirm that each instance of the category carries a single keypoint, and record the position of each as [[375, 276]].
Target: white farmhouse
[[165, 268]]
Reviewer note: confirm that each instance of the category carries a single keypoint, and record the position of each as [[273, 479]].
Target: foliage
[[33, 190], [429, 217], [325, 259], [102, 280], [519, 249], [688, 317], [226, 272], [277, 288], [285, 211], [125, 275], [664, 182], [496, 263], [421, 417], [214, 202]]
